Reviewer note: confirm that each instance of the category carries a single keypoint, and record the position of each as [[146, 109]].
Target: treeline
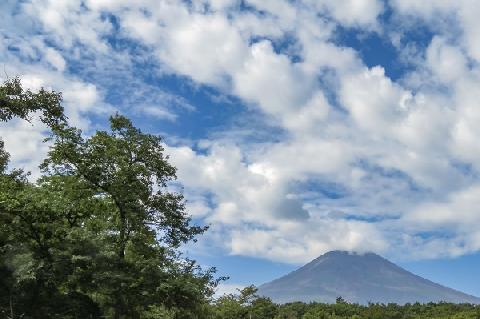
[[247, 305], [97, 235]]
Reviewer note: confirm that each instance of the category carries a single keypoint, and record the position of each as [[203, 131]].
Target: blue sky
[[297, 127]]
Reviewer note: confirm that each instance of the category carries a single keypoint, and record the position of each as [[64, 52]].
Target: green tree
[[245, 304], [46, 248], [293, 310], [263, 308], [144, 222], [15, 101], [228, 307], [98, 234]]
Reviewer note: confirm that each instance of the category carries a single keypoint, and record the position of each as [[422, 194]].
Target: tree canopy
[[97, 236], [15, 101]]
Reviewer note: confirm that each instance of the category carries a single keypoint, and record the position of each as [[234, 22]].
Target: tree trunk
[[11, 306], [123, 226]]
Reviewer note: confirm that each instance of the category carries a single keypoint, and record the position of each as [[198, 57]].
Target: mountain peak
[[342, 253], [357, 277], [350, 253]]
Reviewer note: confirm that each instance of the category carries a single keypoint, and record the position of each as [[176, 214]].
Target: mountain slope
[[358, 278]]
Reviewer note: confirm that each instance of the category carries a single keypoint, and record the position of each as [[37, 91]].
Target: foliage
[[15, 101], [97, 236], [231, 306], [245, 304]]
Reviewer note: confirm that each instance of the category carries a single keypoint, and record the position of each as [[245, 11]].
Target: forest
[[98, 233], [246, 304]]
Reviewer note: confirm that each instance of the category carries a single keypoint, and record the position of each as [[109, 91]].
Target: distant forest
[[246, 305], [97, 234]]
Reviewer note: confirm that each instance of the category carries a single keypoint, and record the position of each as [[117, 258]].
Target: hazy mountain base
[[358, 278]]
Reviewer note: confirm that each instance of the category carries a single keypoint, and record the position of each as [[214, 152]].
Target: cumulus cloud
[[356, 160], [362, 13], [373, 100], [299, 242], [447, 62]]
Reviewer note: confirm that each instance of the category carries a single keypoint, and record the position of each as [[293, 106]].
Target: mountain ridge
[[359, 278]]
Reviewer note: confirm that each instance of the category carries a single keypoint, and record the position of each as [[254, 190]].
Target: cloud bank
[[341, 154]]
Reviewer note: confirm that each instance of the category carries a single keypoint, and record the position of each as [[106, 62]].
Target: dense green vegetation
[[247, 305], [97, 235]]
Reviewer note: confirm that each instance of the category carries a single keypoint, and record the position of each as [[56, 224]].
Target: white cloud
[[39, 65], [374, 101], [300, 243], [159, 112], [284, 12], [23, 140], [357, 160], [271, 81], [468, 14], [447, 62], [444, 15], [352, 12], [68, 22], [55, 59], [459, 209], [179, 39]]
